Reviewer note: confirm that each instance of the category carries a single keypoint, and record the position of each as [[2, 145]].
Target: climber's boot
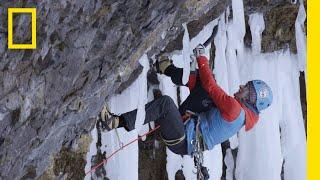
[[108, 120], [162, 63]]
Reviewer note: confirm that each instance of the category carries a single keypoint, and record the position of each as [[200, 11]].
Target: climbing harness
[[174, 141], [198, 148]]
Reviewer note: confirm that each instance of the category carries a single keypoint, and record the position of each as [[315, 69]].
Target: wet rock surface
[[279, 17], [86, 52], [195, 26], [152, 158]]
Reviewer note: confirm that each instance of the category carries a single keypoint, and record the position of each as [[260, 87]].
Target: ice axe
[[208, 41], [211, 38]]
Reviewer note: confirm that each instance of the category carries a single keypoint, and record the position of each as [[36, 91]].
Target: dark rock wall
[[152, 158], [86, 49], [279, 17]]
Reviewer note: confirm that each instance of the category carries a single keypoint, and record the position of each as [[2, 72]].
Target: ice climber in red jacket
[[221, 116]]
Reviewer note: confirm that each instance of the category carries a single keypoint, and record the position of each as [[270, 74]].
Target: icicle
[[239, 23], [186, 55], [229, 161], [257, 26], [204, 34], [143, 92], [238, 15], [293, 137], [221, 73], [301, 38]]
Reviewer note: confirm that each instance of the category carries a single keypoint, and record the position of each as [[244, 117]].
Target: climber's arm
[[228, 106]]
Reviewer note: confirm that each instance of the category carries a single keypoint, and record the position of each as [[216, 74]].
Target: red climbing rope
[[121, 148]]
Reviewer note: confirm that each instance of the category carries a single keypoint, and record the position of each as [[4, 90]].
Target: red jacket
[[229, 107]]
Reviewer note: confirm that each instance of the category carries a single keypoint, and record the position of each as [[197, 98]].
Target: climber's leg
[[164, 112]]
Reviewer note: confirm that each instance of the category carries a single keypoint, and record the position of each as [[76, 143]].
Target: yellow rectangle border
[[313, 89], [33, 12]]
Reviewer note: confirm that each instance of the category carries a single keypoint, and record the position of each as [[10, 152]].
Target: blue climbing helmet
[[263, 93]]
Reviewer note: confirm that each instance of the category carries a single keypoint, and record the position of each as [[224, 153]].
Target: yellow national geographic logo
[[33, 12]]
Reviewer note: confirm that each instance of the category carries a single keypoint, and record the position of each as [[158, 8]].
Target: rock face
[[86, 51], [279, 30]]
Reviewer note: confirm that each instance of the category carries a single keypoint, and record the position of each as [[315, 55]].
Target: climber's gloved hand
[[200, 50], [162, 63], [193, 63]]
